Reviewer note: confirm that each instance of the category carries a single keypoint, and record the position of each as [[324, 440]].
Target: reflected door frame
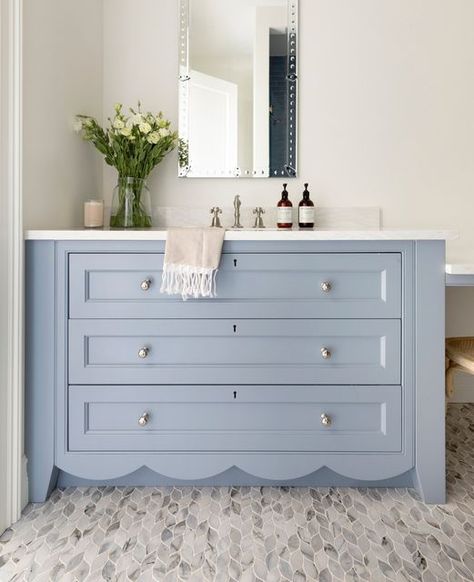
[[220, 96]]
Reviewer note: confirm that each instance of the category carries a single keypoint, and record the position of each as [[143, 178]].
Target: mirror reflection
[[238, 81]]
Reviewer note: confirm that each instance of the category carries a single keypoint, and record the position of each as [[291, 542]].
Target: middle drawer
[[315, 351]]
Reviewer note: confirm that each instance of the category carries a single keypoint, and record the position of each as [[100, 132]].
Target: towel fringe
[[188, 281]]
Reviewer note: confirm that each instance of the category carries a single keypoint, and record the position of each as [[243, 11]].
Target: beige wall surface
[[386, 107], [62, 60]]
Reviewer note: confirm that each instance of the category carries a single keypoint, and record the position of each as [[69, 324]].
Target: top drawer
[[249, 285]]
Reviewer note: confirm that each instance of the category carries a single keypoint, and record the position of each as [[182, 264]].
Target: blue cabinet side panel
[[39, 372], [430, 400]]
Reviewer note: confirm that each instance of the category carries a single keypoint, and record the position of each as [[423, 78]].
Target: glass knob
[[326, 286], [326, 420], [144, 418], [145, 285], [325, 353], [143, 353]]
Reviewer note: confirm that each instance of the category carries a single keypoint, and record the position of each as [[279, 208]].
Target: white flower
[[162, 122], [135, 120], [119, 124], [77, 125], [153, 138], [118, 107], [145, 127], [126, 131], [88, 122], [164, 132]]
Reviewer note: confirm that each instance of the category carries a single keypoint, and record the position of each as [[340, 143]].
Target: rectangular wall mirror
[[238, 88]]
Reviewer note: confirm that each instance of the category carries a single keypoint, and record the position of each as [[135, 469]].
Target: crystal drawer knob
[[143, 353], [326, 420], [144, 418], [145, 285], [326, 286], [325, 353]]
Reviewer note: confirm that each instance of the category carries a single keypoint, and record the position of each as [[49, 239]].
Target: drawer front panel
[[220, 418], [250, 285], [234, 351]]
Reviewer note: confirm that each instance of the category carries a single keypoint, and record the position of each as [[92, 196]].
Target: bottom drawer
[[225, 418]]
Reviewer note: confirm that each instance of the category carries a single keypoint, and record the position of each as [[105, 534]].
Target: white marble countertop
[[267, 234], [460, 268]]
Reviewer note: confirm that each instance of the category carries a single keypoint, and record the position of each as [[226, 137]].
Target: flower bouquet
[[134, 144]]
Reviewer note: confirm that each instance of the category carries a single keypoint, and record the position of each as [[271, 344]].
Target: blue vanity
[[321, 362]]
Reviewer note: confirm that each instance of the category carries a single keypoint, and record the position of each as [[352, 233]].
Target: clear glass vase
[[131, 204]]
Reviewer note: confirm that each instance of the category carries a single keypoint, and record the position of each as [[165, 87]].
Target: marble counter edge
[[460, 268], [460, 274], [244, 235]]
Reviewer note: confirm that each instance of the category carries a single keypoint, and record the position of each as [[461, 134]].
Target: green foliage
[[133, 143]]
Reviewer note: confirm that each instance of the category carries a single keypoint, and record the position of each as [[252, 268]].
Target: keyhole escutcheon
[[235, 262], [235, 394], [235, 328]]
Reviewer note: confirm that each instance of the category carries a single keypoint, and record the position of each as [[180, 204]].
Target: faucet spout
[[237, 205]]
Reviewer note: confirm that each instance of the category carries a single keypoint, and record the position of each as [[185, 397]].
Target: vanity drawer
[[234, 351], [222, 418], [267, 285]]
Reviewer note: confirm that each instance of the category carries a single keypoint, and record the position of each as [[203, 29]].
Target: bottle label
[[285, 215], [306, 214]]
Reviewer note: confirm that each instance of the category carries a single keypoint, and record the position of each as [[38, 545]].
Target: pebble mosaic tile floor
[[252, 534]]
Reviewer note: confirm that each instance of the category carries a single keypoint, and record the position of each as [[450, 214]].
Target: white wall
[[141, 63], [386, 115], [62, 77]]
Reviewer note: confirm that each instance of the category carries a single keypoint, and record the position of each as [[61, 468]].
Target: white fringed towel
[[192, 260]]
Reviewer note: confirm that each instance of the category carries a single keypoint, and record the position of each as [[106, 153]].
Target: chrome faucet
[[216, 221], [259, 212], [237, 205]]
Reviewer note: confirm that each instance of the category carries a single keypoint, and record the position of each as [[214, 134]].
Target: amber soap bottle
[[285, 210], [306, 210]]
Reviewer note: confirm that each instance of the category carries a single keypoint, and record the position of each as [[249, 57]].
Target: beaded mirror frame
[[288, 165]]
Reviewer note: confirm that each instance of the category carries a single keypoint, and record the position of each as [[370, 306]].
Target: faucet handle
[[216, 221], [259, 212]]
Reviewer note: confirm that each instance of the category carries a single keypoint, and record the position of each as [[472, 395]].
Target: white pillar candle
[[94, 214]]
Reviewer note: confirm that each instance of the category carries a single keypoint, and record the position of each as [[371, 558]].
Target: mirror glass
[[238, 88]]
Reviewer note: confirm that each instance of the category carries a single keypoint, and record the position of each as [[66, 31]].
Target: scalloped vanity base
[[234, 477], [321, 363]]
